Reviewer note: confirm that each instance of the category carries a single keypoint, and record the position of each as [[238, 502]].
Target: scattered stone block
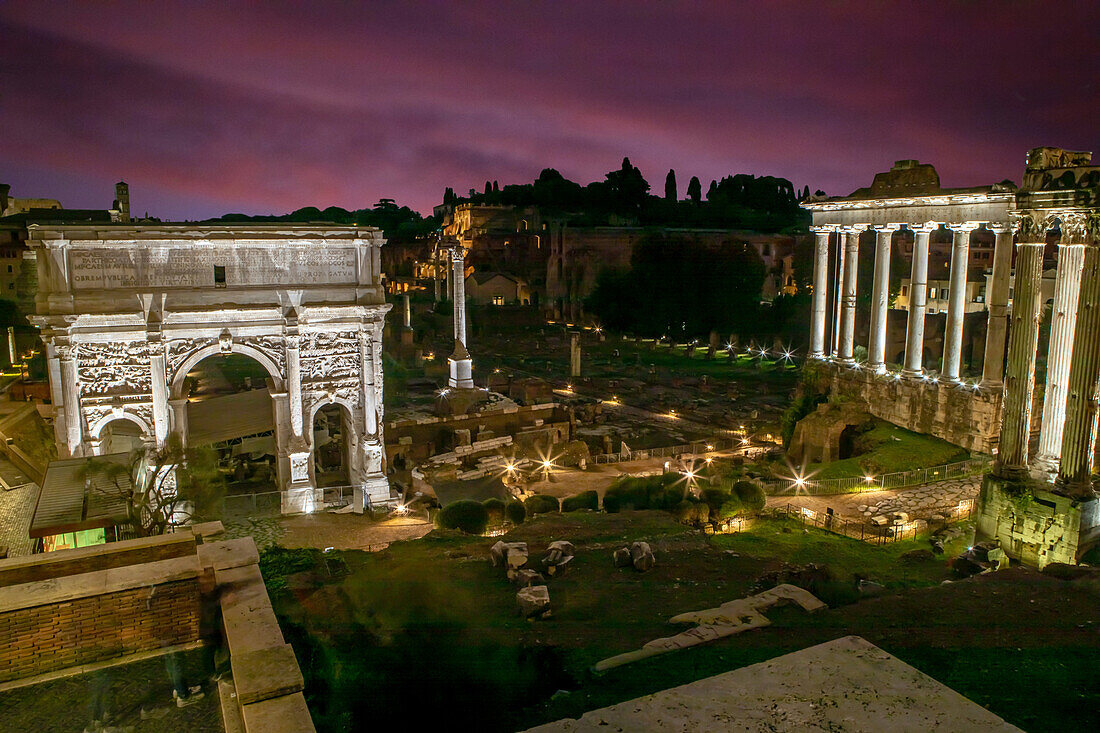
[[528, 577], [622, 557], [533, 602], [870, 589], [879, 521], [266, 673], [642, 557]]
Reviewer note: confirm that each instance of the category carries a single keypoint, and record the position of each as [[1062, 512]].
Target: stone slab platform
[[847, 684]]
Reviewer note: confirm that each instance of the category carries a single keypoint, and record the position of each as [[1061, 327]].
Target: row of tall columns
[[1023, 343], [847, 276], [1063, 321], [918, 303], [846, 348], [956, 303], [880, 299]]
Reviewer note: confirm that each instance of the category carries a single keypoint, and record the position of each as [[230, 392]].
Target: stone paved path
[[920, 502], [16, 510]]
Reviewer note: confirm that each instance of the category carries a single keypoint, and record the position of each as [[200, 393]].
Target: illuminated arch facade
[[126, 311]]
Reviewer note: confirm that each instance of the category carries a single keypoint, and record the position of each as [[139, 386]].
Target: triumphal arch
[[126, 311]]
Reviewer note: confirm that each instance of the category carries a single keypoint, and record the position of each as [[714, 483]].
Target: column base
[[1033, 525], [461, 373], [374, 492], [912, 373], [1046, 466], [301, 497], [817, 355], [877, 368]]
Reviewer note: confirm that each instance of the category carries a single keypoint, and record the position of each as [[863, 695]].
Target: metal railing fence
[[868, 532], [886, 481]]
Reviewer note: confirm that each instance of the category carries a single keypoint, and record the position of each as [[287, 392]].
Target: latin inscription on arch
[[189, 267]]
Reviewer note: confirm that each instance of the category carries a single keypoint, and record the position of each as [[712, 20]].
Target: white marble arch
[[96, 430], [127, 310]]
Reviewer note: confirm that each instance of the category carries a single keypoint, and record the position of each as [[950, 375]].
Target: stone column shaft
[[160, 392], [294, 385], [179, 418], [820, 295], [838, 293], [458, 274], [1063, 320], [1079, 436], [956, 304], [848, 312], [993, 365], [1023, 342], [71, 390], [880, 300], [918, 303]]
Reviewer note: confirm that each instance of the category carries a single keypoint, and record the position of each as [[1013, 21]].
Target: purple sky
[[206, 108]]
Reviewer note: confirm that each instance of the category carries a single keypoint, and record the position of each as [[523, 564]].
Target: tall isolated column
[[848, 310], [821, 287], [461, 365], [1079, 436], [1063, 321], [880, 299], [956, 304], [918, 301], [1023, 341], [993, 365]]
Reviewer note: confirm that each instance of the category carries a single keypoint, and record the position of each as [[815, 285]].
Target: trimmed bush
[[469, 516], [495, 507], [752, 496], [714, 497], [515, 512], [645, 492], [583, 500], [542, 504], [730, 508]]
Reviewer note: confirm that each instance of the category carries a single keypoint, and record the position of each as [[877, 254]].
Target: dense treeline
[[764, 204], [399, 223]]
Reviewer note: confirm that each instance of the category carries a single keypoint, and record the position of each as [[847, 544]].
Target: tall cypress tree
[[695, 189], [670, 185]]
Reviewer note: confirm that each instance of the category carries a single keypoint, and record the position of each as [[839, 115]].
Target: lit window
[[498, 300], [931, 293]]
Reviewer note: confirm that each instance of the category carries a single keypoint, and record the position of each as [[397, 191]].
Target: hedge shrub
[[469, 516], [515, 512], [542, 504], [645, 492], [729, 509], [583, 500], [751, 494], [495, 507], [691, 512]]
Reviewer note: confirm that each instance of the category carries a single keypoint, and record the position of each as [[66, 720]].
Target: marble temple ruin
[[1041, 507]]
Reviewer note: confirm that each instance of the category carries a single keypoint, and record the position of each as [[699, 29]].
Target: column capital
[[824, 229], [854, 228], [926, 228], [1000, 227], [1075, 228], [886, 227], [966, 226]]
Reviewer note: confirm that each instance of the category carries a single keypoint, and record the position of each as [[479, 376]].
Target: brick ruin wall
[[55, 636]]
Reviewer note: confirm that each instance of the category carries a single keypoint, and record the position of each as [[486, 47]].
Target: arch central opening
[[230, 410], [331, 443]]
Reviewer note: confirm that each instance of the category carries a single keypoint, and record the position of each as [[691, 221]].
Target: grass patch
[[888, 449]]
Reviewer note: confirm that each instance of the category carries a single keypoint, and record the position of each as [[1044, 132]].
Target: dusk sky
[[208, 108]]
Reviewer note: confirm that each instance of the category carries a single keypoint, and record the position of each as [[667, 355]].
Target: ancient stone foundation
[[1035, 526], [956, 413]]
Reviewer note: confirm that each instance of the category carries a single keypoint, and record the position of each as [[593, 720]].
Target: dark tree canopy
[[670, 185], [399, 223], [683, 288], [695, 190]]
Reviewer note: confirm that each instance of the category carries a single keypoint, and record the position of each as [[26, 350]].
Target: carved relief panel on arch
[[116, 367]]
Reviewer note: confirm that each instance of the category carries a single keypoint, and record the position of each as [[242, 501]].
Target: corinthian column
[[848, 309], [993, 365], [70, 388], [880, 299], [956, 304], [461, 365], [1079, 438], [1063, 320], [1020, 374], [821, 287], [918, 301], [838, 292]]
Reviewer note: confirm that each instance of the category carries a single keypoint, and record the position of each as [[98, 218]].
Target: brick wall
[[58, 635]]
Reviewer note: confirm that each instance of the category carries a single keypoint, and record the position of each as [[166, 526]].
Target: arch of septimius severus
[[127, 310], [1042, 508]]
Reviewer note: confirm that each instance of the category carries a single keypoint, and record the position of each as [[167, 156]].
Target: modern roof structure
[[71, 501]]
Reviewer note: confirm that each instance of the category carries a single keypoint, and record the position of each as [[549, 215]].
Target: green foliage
[[276, 563], [628, 493], [515, 512], [583, 500], [715, 496], [730, 508], [542, 504], [495, 508], [812, 390], [691, 512], [751, 496], [467, 515], [704, 288]]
